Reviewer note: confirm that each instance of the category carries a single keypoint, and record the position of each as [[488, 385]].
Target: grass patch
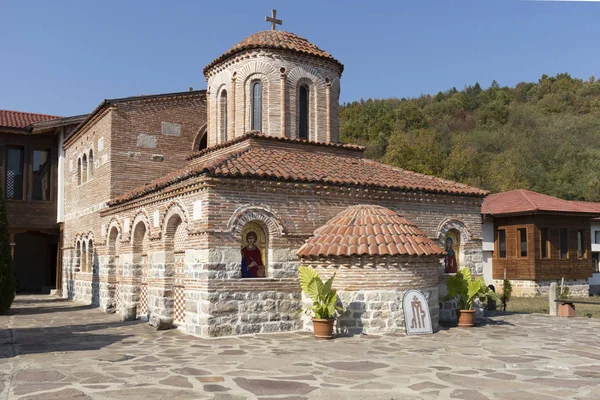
[[539, 305]]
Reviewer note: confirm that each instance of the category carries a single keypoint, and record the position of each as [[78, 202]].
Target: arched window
[[223, 115], [91, 165], [78, 256], [83, 257], [256, 115], [303, 112], [90, 254], [84, 166], [203, 143], [79, 171]]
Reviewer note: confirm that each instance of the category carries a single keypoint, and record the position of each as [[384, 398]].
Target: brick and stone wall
[[279, 110], [371, 290], [529, 288], [212, 213]]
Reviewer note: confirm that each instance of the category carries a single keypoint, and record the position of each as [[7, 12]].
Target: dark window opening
[[563, 245], [223, 115], [522, 242], [502, 243], [203, 142], [580, 244], [544, 244], [303, 113], [41, 175], [14, 173]]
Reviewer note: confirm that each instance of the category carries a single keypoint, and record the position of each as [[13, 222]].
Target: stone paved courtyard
[[57, 349]]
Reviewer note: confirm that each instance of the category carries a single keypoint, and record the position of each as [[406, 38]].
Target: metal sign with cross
[[273, 20]]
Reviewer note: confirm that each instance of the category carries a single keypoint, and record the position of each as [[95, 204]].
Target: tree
[[8, 283]]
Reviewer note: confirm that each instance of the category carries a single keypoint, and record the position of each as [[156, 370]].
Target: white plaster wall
[[488, 234], [487, 267]]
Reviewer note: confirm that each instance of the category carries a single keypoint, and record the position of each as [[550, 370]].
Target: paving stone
[[466, 394], [39, 376], [210, 379], [36, 387], [427, 385], [215, 388], [268, 388], [65, 394], [177, 381], [355, 365]]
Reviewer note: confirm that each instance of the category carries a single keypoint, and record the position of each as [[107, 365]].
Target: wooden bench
[[569, 309]]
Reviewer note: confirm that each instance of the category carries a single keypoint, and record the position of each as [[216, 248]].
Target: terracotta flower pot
[[566, 310], [323, 328], [466, 318]]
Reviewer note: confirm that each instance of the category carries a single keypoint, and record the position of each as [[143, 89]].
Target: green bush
[[506, 293], [8, 284]]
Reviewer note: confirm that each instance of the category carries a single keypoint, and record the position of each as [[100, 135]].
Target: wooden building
[[534, 239]]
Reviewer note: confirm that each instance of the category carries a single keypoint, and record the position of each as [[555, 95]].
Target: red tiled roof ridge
[[22, 119], [368, 230], [450, 181], [261, 135], [523, 201], [296, 163], [275, 39]]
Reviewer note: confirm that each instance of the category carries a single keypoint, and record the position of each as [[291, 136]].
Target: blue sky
[[64, 57]]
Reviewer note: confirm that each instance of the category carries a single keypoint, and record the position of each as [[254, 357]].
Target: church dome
[[280, 40], [369, 230]]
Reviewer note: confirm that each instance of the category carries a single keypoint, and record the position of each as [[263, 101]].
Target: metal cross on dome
[[273, 20]]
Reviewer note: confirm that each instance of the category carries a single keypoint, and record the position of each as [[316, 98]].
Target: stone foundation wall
[[376, 311], [528, 288]]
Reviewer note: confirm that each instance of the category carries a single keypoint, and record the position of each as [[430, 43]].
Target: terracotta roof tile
[[301, 162], [528, 202], [355, 221], [280, 40], [18, 119]]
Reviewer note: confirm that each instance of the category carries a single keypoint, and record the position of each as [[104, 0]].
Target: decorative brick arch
[[141, 216], [222, 79], [176, 207], [257, 67], [114, 223], [311, 74], [456, 224], [262, 214]]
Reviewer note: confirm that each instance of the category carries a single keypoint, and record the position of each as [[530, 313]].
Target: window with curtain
[[14, 173], [303, 113], [256, 123], [40, 187]]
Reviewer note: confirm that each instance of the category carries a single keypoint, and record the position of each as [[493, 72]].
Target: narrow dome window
[[256, 123], [303, 113], [223, 115]]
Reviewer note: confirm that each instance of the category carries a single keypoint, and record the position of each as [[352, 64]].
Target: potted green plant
[[565, 309], [324, 300], [465, 289]]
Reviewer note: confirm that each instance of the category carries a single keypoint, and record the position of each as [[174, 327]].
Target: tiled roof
[[304, 162], [262, 136], [275, 40], [18, 119], [369, 230], [528, 202]]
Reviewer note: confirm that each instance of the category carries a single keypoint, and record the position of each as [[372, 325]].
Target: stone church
[[200, 206]]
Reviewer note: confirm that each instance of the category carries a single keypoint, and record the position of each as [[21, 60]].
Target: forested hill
[[541, 136]]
